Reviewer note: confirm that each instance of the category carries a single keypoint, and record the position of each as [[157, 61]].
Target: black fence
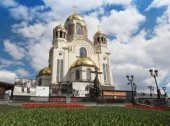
[[155, 102]]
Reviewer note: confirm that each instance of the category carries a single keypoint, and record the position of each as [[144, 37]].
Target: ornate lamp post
[[155, 75], [133, 87], [164, 88]]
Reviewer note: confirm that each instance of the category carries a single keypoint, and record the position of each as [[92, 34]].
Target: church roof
[[98, 33], [45, 71], [84, 61], [61, 27], [75, 16]]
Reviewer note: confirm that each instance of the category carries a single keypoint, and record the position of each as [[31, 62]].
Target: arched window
[[77, 74], [88, 74], [78, 29], [83, 52], [61, 34]]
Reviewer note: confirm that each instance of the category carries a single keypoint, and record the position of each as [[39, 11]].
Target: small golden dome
[[45, 71], [99, 33], [84, 61], [60, 27], [75, 17]]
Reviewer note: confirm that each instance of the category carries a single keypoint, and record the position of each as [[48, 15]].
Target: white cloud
[[158, 3], [83, 4], [41, 47], [123, 23], [8, 3], [6, 63], [7, 76], [168, 85], [20, 12], [29, 31], [22, 73], [15, 51]]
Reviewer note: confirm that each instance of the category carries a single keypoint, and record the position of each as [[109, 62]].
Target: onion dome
[[60, 27], [84, 61], [45, 71], [74, 16], [75, 25]]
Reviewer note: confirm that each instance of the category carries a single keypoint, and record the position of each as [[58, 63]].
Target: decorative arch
[[80, 43]]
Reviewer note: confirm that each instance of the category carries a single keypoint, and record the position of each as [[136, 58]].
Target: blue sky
[[138, 36]]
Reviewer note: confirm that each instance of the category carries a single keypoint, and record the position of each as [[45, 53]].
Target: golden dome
[[99, 33], [60, 27], [45, 71], [84, 61], [75, 17]]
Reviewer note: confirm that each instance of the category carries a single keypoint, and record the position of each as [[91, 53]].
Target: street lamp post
[[164, 88], [155, 75], [133, 87]]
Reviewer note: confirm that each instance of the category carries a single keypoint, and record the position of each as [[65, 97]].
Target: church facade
[[73, 60]]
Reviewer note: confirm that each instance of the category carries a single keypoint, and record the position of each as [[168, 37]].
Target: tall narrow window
[[107, 74], [83, 52], [98, 39], [88, 74], [104, 73], [77, 74], [61, 34], [78, 29], [58, 70]]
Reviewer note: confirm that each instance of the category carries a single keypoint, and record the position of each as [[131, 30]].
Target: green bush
[[91, 116]]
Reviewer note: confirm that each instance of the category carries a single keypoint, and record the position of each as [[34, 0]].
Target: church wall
[[45, 80]]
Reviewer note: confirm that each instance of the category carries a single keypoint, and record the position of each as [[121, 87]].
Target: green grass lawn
[[90, 116]]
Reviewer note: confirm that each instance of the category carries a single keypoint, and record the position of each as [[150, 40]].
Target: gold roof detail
[[84, 61], [75, 17], [60, 27], [99, 33], [45, 71]]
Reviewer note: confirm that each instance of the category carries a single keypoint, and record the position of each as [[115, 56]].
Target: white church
[[73, 59]]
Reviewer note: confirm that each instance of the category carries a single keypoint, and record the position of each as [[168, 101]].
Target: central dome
[[75, 17], [85, 61]]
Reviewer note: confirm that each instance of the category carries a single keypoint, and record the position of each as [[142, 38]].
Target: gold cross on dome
[[75, 8]]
